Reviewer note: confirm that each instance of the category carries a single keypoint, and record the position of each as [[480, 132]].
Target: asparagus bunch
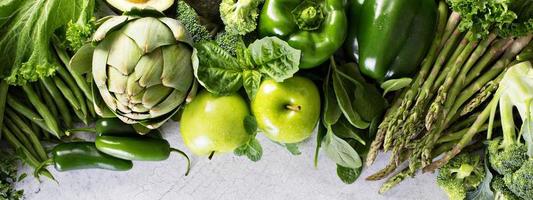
[[459, 74]]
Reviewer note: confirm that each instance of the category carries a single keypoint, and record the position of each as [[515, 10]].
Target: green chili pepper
[[394, 36], [114, 127], [84, 155], [137, 148], [316, 27]]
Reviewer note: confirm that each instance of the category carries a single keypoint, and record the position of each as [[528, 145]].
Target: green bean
[[20, 136], [48, 99], [4, 87], [27, 112], [65, 75], [49, 119], [59, 100], [67, 93], [79, 79], [32, 136]]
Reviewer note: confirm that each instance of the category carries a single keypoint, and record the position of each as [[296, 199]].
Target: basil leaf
[[251, 81], [345, 130], [395, 84], [319, 139], [250, 125], [275, 58], [216, 69], [527, 134], [332, 111], [340, 151], [252, 149], [346, 104], [348, 175], [293, 148]]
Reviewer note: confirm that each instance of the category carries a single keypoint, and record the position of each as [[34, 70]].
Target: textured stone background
[[278, 175]]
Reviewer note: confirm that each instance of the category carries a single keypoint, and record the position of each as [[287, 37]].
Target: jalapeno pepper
[[84, 155], [137, 148], [316, 27], [394, 36]]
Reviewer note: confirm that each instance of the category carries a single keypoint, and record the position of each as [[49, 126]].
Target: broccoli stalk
[[462, 174]]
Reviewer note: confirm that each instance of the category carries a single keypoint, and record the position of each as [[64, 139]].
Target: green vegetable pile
[[440, 85]]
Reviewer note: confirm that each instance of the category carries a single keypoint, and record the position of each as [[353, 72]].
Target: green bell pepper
[[351, 45], [394, 36], [316, 27]]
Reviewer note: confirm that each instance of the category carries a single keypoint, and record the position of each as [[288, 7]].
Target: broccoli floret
[[462, 174], [521, 181], [240, 16], [190, 19], [505, 157], [228, 41], [501, 192]]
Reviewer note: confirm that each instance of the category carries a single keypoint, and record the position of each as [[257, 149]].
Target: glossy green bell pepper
[[394, 36], [351, 45], [84, 155], [316, 27]]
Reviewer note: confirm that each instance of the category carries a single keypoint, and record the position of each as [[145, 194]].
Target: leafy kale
[[8, 177]]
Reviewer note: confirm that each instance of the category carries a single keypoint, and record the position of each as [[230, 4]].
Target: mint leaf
[[293, 148], [252, 149], [252, 81], [340, 151], [250, 125], [216, 69], [275, 58], [348, 175]]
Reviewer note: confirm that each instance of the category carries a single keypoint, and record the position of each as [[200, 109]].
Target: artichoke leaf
[[177, 70], [149, 69], [178, 30], [124, 54], [154, 95], [82, 59], [99, 65], [149, 33], [107, 26], [116, 81]]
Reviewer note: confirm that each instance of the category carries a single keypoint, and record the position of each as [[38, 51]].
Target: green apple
[[288, 111], [213, 123]]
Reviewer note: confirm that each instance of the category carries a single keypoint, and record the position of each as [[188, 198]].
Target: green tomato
[[213, 123], [287, 112]]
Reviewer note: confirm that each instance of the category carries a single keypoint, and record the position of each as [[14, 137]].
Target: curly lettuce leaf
[[26, 48]]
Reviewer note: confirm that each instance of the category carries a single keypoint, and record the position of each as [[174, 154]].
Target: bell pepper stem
[[186, 158]]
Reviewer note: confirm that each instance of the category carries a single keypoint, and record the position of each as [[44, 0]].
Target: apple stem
[[211, 155], [295, 108]]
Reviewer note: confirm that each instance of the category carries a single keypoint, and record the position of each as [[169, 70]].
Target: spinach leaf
[[332, 111], [216, 69], [348, 175], [395, 84], [340, 151], [252, 149], [293, 148], [345, 130], [275, 58], [345, 103], [319, 139]]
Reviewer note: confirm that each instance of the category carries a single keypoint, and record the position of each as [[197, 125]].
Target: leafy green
[[240, 16], [252, 149], [293, 149], [395, 84], [222, 74], [27, 53], [340, 151], [506, 17], [8, 177], [348, 175]]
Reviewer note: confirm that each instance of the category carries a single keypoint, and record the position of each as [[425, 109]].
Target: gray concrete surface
[[277, 176]]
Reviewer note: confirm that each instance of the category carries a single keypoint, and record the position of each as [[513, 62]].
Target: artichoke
[[142, 67]]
